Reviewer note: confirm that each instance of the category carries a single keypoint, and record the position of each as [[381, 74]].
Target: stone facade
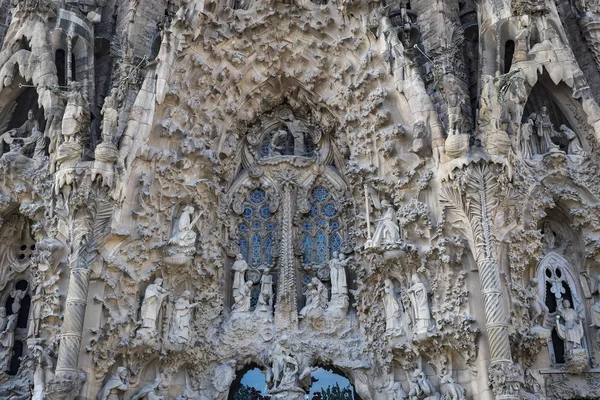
[[405, 192]]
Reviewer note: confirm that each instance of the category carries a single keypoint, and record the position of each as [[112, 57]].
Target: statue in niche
[[290, 374], [153, 391], [266, 287], [27, 128], [574, 147], [569, 327], [420, 304], [455, 100], [277, 143], [514, 96], [393, 311], [295, 132], [110, 117], [337, 274], [545, 131], [243, 298], [280, 353], [42, 374], [387, 232], [450, 389], [528, 142], [239, 267], [7, 339], [223, 376], [116, 386], [35, 313], [181, 318], [185, 237], [538, 311], [396, 392], [38, 140], [153, 299], [18, 296], [298, 130], [77, 114], [316, 300]]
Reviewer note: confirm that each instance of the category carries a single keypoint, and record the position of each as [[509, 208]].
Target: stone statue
[[574, 142], [298, 130], [393, 311], [185, 236], [290, 374], [116, 386], [223, 377], [316, 300], [181, 319], [538, 311], [278, 357], [41, 375], [17, 295], [421, 388], [545, 131], [455, 100], [528, 142], [153, 299], [7, 339], [277, 144], [420, 304], [569, 326], [77, 114], [387, 231], [396, 392], [337, 274], [27, 128], [243, 298], [266, 287], [3, 319], [110, 117], [239, 267], [450, 389], [152, 391], [38, 140], [35, 312]]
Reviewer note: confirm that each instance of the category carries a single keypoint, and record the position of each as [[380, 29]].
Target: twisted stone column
[[286, 311]]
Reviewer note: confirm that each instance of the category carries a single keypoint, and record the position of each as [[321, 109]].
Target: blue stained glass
[[314, 211], [307, 244], [336, 243], [257, 196], [321, 248], [264, 150], [269, 250], [255, 258], [270, 226], [264, 212], [243, 243], [329, 210], [320, 194], [321, 223], [334, 224], [243, 228], [256, 225], [306, 226], [248, 212]]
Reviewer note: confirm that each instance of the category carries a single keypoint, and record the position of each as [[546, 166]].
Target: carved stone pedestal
[[294, 393], [69, 154], [457, 145], [498, 143], [106, 156], [577, 361]]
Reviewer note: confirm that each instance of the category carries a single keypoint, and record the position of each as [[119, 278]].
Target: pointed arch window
[[320, 229], [256, 230]]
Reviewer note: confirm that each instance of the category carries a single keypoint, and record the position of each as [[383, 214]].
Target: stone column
[[473, 207], [286, 311]]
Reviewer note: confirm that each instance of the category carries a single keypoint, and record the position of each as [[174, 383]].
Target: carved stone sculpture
[[35, 311], [393, 311], [545, 131], [569, 326], [242, 298], [152, 391], [419, 299], [27, 128], [450, 389], [7, 339], [396, 392], [182, 244], [239, 267], [151, 306], [116, 386], [387, 232], [574, 142], [420, 387], [182, 314], [538, 311], [278, 357], [316, 300]]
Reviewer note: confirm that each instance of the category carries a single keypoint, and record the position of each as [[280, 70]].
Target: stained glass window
[[320, 228], [255, 230]]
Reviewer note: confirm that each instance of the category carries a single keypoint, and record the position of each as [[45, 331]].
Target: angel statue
[[569, 326], [152, 391], [387, 231]]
